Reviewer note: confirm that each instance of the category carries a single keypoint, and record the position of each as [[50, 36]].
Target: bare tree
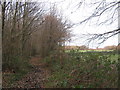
[[52, 35], [112, 10], [102, 8], [19, 21]]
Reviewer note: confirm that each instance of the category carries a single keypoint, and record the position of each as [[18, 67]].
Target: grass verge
[[83, 70]]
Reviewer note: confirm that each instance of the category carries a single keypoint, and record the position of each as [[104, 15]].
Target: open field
[[90, 50]]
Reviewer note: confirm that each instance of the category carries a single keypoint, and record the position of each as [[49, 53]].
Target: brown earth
[[36, 77]]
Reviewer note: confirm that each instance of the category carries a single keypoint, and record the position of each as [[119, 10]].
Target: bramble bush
[[84, 70]]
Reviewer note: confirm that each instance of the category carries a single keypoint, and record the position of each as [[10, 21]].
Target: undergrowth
[[83, 70], [18, 68]]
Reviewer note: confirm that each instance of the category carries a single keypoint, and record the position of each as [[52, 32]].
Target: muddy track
[[35, 78]]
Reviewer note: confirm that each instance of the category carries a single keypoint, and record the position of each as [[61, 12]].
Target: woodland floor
[[35, 78]]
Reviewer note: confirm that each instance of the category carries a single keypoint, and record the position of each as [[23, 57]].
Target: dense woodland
[[29, 31]]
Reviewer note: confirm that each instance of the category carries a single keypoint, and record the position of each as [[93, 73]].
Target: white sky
[[70, 9]]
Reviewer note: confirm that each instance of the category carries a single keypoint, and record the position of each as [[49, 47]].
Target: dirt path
[[35, 78]]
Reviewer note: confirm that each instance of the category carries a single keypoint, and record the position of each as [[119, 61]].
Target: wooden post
[[0, 45]]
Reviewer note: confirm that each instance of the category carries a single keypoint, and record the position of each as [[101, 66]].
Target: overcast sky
[[71, 10]]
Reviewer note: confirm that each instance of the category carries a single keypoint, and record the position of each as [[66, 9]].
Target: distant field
[[89, 50]]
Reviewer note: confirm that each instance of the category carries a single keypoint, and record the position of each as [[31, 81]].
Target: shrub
[[16, 64]]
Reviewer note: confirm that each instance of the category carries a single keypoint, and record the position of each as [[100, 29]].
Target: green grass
[[84, 70], [68, 51]]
